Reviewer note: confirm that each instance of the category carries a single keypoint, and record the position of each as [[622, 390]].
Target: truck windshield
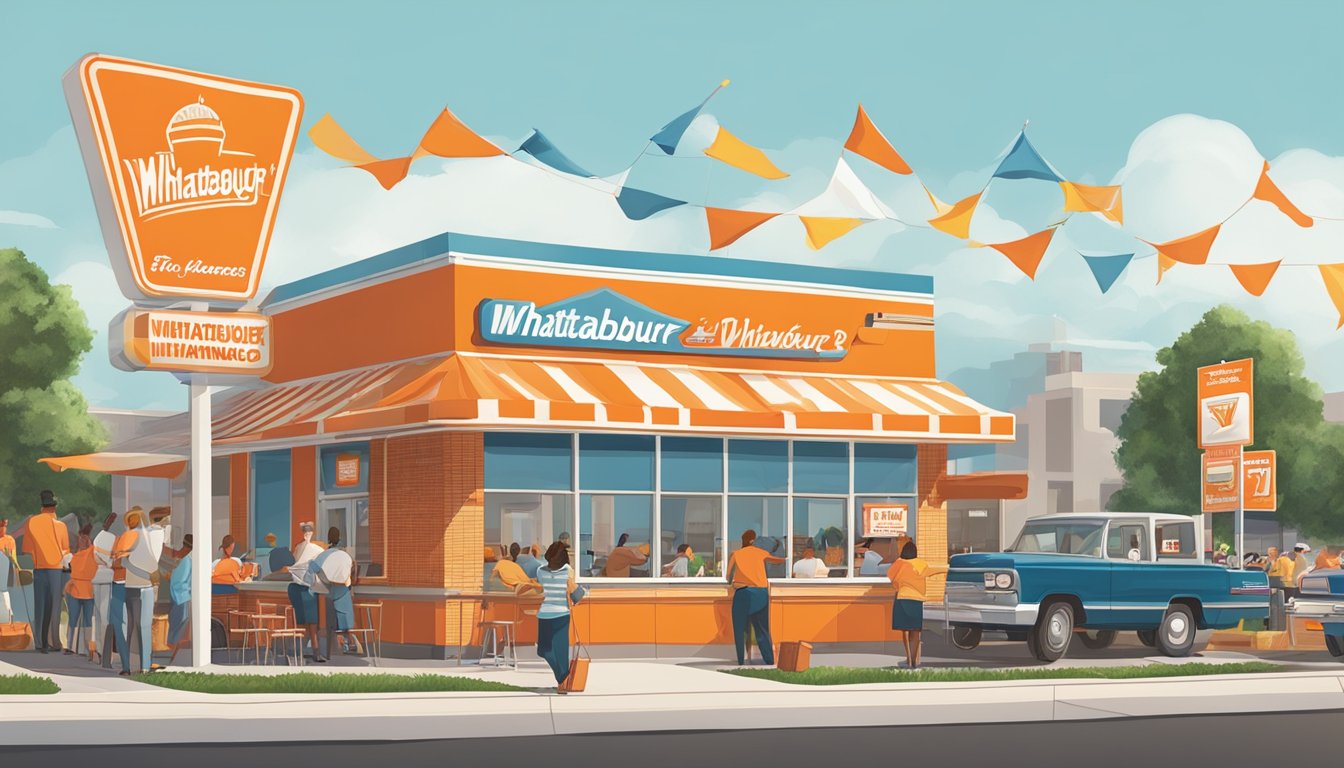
[[1064, 538]]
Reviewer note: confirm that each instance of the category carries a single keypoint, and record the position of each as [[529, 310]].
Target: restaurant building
[[444, 400]]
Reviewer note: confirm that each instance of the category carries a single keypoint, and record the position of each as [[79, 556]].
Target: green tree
[[43, 335], [1159, 454]]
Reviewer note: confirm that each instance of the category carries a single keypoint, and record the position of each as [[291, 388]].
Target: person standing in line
[[331, 574], [116, 609], [9, 570], [136, 555], [179, 596], [79, 595], [553, 618], [103, 544], [909, 575], [301, 598], [48, 542], [751, 600], [1295, 568]]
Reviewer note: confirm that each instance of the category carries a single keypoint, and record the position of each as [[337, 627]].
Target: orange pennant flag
[[1333, 276], [388, 172], [1163, 264], [1026, 254], [1193, 249], [1082, 198], [450, 137], [957, 220], [1268, 191], [866, 141], [328, 136], [821, 230], [729, 149], [726, 225], [1255, 277]]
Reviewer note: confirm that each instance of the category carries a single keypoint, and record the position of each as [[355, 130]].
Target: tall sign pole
[[186, 171], [1226, 426]]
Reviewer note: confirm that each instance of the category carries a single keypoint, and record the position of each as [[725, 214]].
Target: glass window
[[885, 468], [694, 522], [345, 468], [758, 466], [1067, 538], [822, 524], [766, 516], [1127, 542], [614, 535], [270, 501], [885, 548], [528, 460], [1176, 541], [820, 467], [692, 464], [616, 462], [531, 520]]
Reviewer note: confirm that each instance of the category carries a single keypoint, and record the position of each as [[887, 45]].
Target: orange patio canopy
[[160, 465]]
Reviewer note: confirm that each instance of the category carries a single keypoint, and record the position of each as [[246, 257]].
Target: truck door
[[1136, 580]]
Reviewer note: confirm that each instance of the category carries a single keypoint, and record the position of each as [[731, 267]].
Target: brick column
[[931, 533]]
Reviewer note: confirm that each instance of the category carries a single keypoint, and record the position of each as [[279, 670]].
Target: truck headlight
[[1003, 580], [989, 580]]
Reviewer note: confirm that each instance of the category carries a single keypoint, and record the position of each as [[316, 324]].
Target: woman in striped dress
[[557, 581]]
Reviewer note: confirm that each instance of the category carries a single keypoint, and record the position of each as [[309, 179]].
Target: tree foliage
[[1159, 454], [43, 335]]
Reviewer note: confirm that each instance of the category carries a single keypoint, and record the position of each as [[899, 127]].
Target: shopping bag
[[795, 656], [16, 636], [577, 679], [159, 633]]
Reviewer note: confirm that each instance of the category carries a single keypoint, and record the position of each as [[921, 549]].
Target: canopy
[[111, 463], [982, 485]]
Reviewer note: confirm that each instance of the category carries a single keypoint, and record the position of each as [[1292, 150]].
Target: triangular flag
[[388, 172], [1333, 277], [638, 204], [1268, 191], [1193, 249], [823, 229], [669, 136], [938, 205], [729, 149], [1024, 162], [845, 196], [450, 137], [1107, 269], [328, 136], [1255, 277], [866, 141], [726, 226], [546, 153], [1082, 198], [957, 220], [1026, 254], [1163, 264]]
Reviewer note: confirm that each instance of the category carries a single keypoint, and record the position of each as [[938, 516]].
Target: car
[[1097, 574], [1322, 599]]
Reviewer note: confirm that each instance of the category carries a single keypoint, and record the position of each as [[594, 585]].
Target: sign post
[[1226, 425], [186, 171]]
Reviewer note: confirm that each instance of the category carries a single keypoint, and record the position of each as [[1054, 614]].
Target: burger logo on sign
[[186, 171]]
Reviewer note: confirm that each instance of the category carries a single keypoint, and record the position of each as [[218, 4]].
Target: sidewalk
[[624, 696]]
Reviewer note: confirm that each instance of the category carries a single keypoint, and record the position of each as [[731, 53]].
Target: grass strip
[[26, 685], [859, 675], [308, 682]]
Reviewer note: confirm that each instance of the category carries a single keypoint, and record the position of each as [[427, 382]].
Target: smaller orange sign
[[1260, 476], [347, 470], [885, 519], [1221, 472], [196, 342], [1226, 404]]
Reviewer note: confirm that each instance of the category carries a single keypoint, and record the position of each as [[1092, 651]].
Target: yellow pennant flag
[[1164, 263], [330, 137], [1333, 277], [957, 220], [729, 149], [1082, 198], [823, 229]]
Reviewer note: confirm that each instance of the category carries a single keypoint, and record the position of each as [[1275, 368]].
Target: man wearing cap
[[301, 598], [48, 542]]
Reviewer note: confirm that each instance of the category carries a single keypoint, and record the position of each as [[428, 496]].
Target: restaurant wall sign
[[203, 342], [605, 319]]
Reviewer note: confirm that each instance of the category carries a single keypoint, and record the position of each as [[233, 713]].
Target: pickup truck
[[1095, 575], [1322, 599]]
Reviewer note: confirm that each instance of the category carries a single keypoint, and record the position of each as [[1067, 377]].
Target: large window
[[270, 501], [642, 506]]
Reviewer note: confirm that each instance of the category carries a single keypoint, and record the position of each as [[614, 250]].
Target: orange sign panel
[[1260, 479], [186, 171], [1221, 472], [347, 470], [885, 519], [1225, 404], [200, 342]]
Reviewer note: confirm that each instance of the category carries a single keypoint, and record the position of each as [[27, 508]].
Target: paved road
[[1153, 743]]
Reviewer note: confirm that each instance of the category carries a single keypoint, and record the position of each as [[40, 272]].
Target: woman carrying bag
[[553, 619]]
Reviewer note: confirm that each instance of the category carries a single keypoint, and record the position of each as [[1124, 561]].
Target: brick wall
[[931, 533], [377, 504], [239, 501]]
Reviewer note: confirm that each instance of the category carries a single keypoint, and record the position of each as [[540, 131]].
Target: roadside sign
[[886, 519], [1260, 478], [1226, 404], [1220, 479], [186, 171], [191, 342]]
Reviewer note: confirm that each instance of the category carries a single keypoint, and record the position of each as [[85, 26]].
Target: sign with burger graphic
[[186, 171]]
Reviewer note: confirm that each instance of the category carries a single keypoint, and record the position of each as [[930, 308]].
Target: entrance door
[[351, 518], [973, 526]]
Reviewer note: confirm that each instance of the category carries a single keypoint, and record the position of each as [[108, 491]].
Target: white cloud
[[22, 219]]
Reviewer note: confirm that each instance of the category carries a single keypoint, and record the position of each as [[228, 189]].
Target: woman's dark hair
[[683, 548], [624, 538], [748, 536], [909, 552], [514, 549], [557, 556], [333, 536]]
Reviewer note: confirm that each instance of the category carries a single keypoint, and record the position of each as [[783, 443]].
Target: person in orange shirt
[[751, 600], [79, 594], [227, 569], [909, 575], [48, 542], [512, 575]]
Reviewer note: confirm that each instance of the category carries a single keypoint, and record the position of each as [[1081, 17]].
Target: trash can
[[1278, 612]]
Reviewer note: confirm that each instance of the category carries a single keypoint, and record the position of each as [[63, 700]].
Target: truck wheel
[[1148, 637], [1176, 635], [1334, 645], [1050, 639], [1102, 638], [966, 638]]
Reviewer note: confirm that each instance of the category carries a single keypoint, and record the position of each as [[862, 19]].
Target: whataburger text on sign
[[205, 342], [186, 171]]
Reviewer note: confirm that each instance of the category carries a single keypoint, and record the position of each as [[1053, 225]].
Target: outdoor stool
[[492, 632], [371, 633], [247, 633]]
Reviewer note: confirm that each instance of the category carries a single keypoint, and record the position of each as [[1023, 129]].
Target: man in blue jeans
[[751, 601], [47, 540]]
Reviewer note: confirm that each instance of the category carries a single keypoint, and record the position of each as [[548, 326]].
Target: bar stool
[[289, 636], [371, 633], [247, 633], [492, 632]]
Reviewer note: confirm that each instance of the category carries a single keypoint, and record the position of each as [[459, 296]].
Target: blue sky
[[949, 83]]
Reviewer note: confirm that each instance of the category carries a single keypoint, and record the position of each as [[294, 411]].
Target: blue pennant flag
[[541, 148], [1024, 162], [639, 205], [1107, 269], [669, 136]]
